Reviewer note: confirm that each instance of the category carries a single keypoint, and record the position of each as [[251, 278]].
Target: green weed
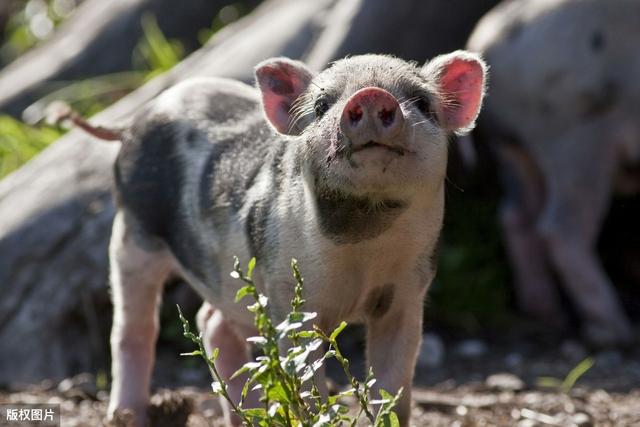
[[286, 381], [155, 52], [20, 142], [567, 384]]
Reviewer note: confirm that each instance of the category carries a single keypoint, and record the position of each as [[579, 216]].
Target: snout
[[372, 115]]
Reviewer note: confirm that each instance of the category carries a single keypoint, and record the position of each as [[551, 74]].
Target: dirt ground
[[475, 382]]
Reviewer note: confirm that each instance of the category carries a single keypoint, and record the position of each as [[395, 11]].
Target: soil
[[511, 381]]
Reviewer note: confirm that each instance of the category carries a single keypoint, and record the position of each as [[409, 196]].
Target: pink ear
[[281, 81], [460, 78]]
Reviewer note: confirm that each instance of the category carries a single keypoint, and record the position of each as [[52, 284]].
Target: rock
[[504, 382], [432, 351], [471, 349]]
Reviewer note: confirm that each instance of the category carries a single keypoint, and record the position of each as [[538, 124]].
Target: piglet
[[343, 170]]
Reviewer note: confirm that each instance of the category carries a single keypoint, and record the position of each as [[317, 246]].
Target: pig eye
[[423, 104], [321, 106]]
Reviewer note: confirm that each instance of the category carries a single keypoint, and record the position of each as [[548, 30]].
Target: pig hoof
[[605, 336]]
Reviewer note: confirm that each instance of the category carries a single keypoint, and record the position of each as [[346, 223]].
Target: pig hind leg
[[535, 290], [139, 268], [579, 186], [233, 354]]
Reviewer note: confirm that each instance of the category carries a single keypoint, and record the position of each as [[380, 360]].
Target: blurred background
[[539, 266]]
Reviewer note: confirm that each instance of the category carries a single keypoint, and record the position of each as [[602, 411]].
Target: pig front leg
[[394, 332], [138, 272]]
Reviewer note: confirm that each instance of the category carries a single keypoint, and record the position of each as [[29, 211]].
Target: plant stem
[[354, 383]]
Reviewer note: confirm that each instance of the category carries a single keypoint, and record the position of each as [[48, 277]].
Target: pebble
[[581, 419], [432, 351], [504, 382], [461, 410]]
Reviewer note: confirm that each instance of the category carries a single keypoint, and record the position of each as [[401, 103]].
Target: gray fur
[[351, 219]]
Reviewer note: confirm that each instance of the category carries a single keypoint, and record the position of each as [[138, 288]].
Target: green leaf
[[278, 394], [337, 331], [302, 316], [386, 395], [307, 334], [258, 413], [345, 393], [193, 353], [243, 292], [250, 267], [249, 366], [390, 420]]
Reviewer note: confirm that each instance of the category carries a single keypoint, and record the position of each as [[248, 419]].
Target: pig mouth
[[373, 144]]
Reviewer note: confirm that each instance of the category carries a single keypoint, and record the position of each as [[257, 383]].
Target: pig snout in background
[[564, 121]]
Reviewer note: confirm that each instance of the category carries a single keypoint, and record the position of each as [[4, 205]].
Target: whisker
[[420, 122]]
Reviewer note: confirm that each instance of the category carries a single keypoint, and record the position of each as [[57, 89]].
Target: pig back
[[186, 163], [557, 64]]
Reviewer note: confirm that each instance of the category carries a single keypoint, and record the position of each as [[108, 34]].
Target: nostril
[[387, 117], [355, 114]]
